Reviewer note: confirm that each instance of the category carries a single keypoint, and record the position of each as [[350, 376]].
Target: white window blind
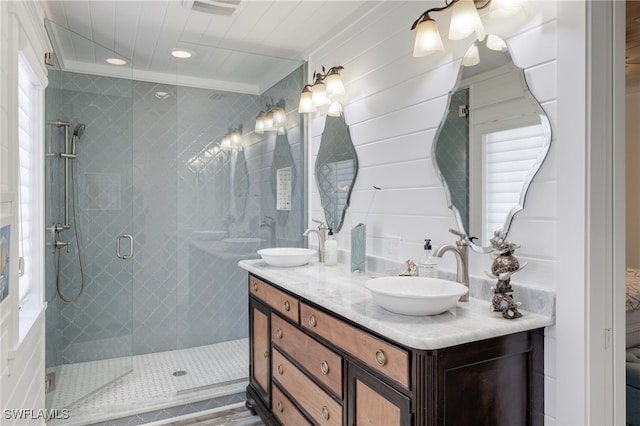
[[27, 152], [508, 157]]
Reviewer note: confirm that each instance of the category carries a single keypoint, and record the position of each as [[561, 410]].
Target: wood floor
[[233, 417]]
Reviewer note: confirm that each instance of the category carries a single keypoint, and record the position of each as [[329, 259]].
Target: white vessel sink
[[286, 256], [244, 244], [415, 295]]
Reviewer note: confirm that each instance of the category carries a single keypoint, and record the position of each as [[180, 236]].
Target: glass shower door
[[90, 197]]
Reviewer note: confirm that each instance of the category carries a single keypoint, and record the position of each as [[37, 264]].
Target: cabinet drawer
[[276, 299], [318, 404], [285, 410], [388, 359], [319, 361]]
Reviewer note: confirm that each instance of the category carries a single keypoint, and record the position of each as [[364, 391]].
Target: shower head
[[77, 133], [79, 130]]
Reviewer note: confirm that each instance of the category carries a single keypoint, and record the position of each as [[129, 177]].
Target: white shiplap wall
[[21, 363], [393, 106]]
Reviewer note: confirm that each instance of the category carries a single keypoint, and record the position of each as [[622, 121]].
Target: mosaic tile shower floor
[[211, 371]]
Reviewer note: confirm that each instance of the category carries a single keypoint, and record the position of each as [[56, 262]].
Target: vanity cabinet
[[311, 366]]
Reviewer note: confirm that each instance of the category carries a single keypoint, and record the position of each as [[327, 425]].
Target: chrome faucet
[[461, 251], [322, 237]]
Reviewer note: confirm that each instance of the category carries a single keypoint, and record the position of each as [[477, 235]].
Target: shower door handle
[[118, 239]]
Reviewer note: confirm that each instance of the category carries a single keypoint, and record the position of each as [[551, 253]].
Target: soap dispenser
[[330, 250], [427, 265]]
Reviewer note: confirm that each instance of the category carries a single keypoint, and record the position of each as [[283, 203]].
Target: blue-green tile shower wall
[[452, 152], [132, 178]]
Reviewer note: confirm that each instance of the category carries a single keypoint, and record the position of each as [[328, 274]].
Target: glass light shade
[[335, 87], [279, 117], [213, 150], [496, 43], [226, 143], [465, 20], [306, 104], [472, 57], [206, 155], [335, 109], [506, 8], [259, 125], [235, 138], [268, 122], [428, 39], [318, 94]]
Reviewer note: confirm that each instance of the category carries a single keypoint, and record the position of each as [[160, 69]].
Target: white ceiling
[[247, 52]]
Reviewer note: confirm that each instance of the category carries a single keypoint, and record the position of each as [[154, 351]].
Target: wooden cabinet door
[[259, 346], [372, 402]]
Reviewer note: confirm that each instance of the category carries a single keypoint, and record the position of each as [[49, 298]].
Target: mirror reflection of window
[[508, 156]]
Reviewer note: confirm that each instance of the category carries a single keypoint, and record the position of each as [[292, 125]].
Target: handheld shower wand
[[78, 131]]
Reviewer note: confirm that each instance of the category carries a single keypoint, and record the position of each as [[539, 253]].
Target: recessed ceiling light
[[115, 61], [181, 53]]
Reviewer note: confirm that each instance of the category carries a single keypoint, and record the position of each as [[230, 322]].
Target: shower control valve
[[59, 244]]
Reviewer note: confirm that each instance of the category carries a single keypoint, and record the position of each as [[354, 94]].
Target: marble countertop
[[340, 291]]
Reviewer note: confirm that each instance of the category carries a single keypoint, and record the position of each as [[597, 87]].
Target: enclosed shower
[[147, 217]]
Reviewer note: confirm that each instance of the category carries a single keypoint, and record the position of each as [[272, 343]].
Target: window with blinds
[[508, 157], [30, 122]]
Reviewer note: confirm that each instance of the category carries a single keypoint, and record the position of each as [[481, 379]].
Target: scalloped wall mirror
[[490, 144]]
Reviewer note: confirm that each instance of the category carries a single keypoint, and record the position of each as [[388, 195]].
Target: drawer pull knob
[[279, 333], [325, 413], [280, 370], [280, 407], [381, 358], [266, 354], [287, 306], [255, 287], [324, 367], [312, 321]]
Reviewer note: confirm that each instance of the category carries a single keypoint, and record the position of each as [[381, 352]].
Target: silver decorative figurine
[[504, 265]]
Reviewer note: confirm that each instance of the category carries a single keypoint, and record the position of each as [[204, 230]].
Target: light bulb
[[465, 20], [428, 39]]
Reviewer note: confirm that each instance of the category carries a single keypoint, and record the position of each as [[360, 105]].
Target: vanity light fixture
[[231, 141], [465, 21], [272, 118], [326, 88]]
